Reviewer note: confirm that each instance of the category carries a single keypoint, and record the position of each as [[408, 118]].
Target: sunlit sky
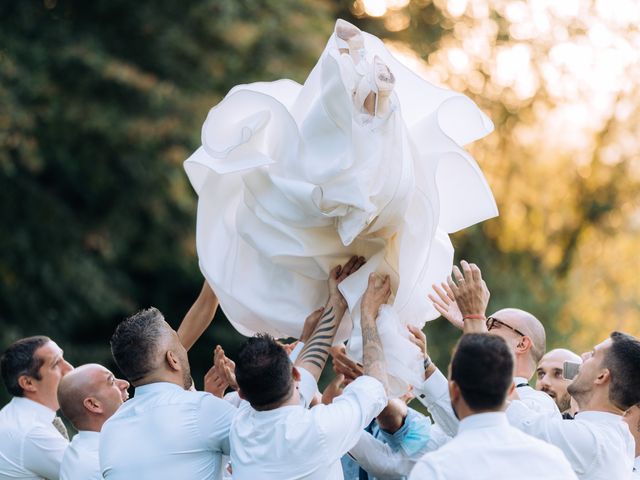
[[596, 62]]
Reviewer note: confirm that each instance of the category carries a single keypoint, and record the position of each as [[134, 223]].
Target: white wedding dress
[[293, 179]]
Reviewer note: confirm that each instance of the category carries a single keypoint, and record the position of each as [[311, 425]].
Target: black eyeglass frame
[[491, 321]]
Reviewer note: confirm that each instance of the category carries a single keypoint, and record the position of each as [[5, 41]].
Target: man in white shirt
[[524, 334], [88, 396], [32, 438], [550, 378], [632, 417], [272, 436], [486, 446], [597, 443], [165, 431]]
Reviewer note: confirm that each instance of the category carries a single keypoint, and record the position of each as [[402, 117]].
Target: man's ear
[[454, 391], [603, 377], [295, 373], [172, 360], [27, 383], [92, 404], [524, 345]]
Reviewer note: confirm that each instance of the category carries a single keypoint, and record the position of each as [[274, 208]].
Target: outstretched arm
[[199, 317], [377, 293], [315, 352]]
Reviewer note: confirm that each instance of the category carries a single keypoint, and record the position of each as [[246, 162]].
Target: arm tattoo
[[316, 351], [373, 354]]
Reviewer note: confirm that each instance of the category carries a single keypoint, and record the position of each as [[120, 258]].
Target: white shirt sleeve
[[214, 419], [379, 460], [434, 394], [342, 422], [424, 470], [43, 452], [307, 386], [577, 442]]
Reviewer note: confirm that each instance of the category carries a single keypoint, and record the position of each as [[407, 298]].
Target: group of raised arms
[[261, 415]]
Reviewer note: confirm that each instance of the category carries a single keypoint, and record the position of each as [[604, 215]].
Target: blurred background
[[102, 101]]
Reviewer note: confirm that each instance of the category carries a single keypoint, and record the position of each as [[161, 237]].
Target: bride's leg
[[374, 90], [350, 40]]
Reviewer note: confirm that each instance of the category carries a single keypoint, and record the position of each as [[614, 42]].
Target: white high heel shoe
[[375, 88], [350, 40]]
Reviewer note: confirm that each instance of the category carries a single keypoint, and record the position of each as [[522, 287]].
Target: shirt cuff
[[434, 388]]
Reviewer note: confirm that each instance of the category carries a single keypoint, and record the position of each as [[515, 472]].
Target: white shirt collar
[[483, 420], [89, 438], [42, 412], [156, 387], [520, 380], [599, 416]]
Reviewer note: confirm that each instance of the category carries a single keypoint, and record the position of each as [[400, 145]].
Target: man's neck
[[597, 404], [522, 368], [53, 405], [159, 378]]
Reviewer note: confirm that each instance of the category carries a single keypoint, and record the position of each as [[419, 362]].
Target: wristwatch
[[427, 362]]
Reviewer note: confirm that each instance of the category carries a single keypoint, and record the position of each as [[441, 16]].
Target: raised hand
[[345, 366], [215, 382], [446, 305], [419, 339], [471, 294], [377, 293], [225, 367], [339, 273]]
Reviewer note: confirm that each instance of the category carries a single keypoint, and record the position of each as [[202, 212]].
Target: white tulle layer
[[293, 180]]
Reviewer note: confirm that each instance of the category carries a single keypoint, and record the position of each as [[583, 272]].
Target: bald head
[[561, 355], [527, 324], [89, 395]]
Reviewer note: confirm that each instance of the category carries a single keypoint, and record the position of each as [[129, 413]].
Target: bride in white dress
[[364, 159]]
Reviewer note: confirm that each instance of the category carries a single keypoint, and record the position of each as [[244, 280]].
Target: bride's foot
[[350, 40], [380, 85]]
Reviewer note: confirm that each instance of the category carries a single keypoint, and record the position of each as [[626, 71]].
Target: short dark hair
[[482, 367], [135, 343], [19, 359], [263, 372], [623, 361]]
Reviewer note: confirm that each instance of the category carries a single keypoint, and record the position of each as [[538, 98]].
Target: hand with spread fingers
[[444, 302], [471, 294]]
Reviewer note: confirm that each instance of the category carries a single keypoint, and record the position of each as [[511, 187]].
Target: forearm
[[199, 317], [373, 354], [393, 416], [313, 356]]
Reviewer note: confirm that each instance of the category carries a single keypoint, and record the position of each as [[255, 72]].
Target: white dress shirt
[[598, 445], [488, 448], [292, 442], [30, 446], [636, 469], [166, 432], [81, 460], [536, 400], [434, 394]]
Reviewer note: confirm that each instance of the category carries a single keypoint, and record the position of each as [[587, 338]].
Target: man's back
[[488, 448], [166, 432], [30, 446], [80, 461], [294, 443]]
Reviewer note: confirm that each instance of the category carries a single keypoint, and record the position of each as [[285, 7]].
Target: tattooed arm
[[377, 293], [316, 350]]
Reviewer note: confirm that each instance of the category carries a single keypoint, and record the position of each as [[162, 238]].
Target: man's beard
[[564, 402]]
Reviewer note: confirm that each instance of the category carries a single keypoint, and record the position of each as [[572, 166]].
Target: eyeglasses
[[492, 322]]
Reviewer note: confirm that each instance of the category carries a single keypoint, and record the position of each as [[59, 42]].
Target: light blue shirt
[[166, 432]]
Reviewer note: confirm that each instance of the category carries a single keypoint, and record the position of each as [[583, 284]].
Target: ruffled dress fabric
[[293, 179]]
